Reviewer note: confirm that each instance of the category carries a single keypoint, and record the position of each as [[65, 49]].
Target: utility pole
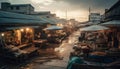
[[89, 13], [66, 14]]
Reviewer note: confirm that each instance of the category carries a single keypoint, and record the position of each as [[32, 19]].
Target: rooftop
[[8, 18], [114, 6], [17, 4]]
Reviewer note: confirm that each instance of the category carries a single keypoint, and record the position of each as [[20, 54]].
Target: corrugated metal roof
[[19, 21], [12, 28], [114, 23], [54, 28], [8, 17], [48, 20], [53, 20], [94, 28], [17, 16]]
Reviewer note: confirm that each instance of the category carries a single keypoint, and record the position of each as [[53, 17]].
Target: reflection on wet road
[[64, 51]]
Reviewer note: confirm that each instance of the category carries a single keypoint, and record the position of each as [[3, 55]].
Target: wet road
[[66, 46], [64, 51]]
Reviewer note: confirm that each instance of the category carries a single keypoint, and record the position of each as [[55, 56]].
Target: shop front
[[17, 43], [55, 34]]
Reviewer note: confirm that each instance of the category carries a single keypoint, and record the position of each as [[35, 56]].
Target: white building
[[17, 8], [95, 17]]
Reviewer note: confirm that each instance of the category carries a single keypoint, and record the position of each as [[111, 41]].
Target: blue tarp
[[74, 60]]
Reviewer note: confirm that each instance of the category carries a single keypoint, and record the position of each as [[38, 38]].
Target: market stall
[[95, 35], [17, 43], [55, 34]]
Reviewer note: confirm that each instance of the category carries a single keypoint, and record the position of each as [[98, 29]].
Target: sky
[[78, 9]]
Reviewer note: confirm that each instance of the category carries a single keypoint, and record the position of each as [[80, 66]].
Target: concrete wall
[[95, 17], [25, 9]]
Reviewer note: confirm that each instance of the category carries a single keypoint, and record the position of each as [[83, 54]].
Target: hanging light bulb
[[2, 34], [21, 30], [27, 29]]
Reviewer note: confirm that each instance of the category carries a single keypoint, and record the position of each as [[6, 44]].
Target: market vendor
[[109, 39], [82, 36], [76, 52], [86, 50]]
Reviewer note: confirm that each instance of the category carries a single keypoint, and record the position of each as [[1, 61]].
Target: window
[[17, 7], [11, 8]]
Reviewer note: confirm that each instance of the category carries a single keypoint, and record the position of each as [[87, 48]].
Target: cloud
[[20, 1], [4, 1], [96, 4], [44, 2], [75, 7]]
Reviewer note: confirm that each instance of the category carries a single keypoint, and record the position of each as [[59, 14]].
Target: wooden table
[[38, 43]]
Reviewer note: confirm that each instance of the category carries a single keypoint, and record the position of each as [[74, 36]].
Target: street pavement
[[64, 51]]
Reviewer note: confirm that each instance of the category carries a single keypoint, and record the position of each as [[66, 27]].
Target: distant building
[[17, 8], [46, 14], [29, 10], [95, 17], [73, 22], [113, 13], [103, 18], [24, 9]]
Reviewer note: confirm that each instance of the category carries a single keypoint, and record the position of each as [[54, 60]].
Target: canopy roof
[[16, 28], [13, 28], [114, 23], [93, 28], [52, 20], [8, 18], [54, 28], [20, 21]]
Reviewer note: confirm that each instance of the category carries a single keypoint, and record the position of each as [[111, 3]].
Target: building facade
[[17, 8], [46, 14], [95, 17], [113, 13], [29, 10]]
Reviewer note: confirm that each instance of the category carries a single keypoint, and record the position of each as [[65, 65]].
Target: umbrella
[[54, 28], [114, 23], [94, 28]]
